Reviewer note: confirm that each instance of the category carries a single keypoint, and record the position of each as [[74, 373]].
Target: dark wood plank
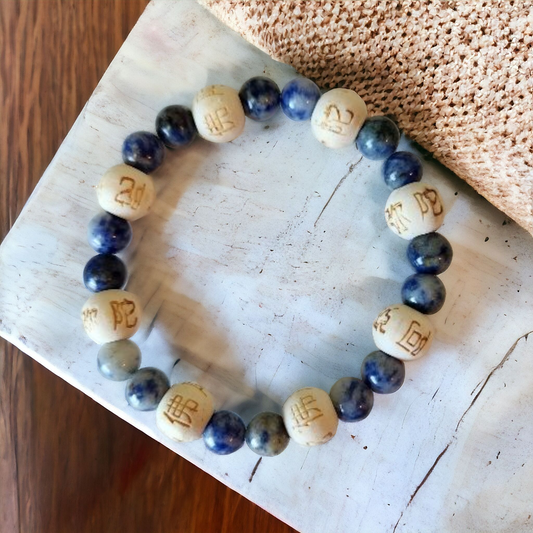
[[67, 464]]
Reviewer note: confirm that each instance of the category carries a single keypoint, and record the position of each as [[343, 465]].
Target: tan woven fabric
[[456, 75]]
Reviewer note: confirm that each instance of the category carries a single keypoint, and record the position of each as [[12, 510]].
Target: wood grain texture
[[66, 463]]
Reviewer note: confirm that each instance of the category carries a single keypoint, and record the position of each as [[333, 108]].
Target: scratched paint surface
[[262, 267]]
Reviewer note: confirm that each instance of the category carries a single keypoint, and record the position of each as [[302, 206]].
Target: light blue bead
[[352, 399], [430, 253], [266, 434], [119, 360], [401, 168], [108, 234], [378, 138], [224, 433], [299, 98], [260, 98], [424, 292], [382, 373], [146, 388], [143, 150]]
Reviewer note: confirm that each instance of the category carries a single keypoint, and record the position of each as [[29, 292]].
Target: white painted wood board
[[266, 261]]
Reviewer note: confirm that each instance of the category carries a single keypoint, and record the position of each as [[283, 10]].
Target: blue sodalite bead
[[108, 234], [401, 168], [146, 388], [103, 272], [352, 399], [430, 253], [424, 292], [224, 433], [299, 98], [382, 373], [175, 126], [143, 150], [119, 360], [260, 97], [266, 434], [378, 138]]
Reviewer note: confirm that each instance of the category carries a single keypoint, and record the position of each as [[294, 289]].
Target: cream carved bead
[[403, 332], [338, 117], [126, 192], [310, 417], [218, 113], [414, 209], [111, 315], [184, 412]]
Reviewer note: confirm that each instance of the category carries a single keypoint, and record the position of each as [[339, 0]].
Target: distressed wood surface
[[66, 463], [262, 267]]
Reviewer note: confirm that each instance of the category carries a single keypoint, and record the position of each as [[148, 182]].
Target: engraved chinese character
[[413, 340], [396, 218], [122, 313], [207, 92], [131, 195], [89, 317], [217, 123], [302, 412], [334, 120], [179, 410], [429, 200], [382, 320]]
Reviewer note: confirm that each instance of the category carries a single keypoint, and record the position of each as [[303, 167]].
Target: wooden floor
[[66, 464]]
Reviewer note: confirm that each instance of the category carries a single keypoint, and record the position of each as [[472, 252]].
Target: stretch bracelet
[[402, 332]]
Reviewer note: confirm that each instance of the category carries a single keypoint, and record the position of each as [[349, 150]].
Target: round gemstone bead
[[146, 388], [266, 434], [175, 126], [338, 117], [224, 433], [352, 399], [382, 373], [103, 272], [108, 234], [119, 360], [298, 98], [260, 97], [143, 150], [430, 253], [401, 168], [403, 332], [414, 209], [378, 138], [424, 292]]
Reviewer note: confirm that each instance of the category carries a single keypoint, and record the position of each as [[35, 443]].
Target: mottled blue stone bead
[[103, 272], [382, 373], [430, 253], [260, 97], [146, 388], [378, 138], [299, 98], [424, 292], [401, 168], [175, 126], [352, 399], [143, 150], [108, 234], [224, 433], [266, 434]]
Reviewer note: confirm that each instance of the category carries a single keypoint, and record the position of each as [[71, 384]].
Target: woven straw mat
[[455, 75]]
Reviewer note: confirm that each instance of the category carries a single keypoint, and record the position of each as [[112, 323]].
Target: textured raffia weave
[[456, 75]]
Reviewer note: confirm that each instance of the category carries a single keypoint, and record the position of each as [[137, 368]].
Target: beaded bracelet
[[414, 211]]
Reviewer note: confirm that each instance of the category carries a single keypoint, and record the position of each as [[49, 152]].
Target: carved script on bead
[[382, 320], [132, 195], [414, 339], [428, 200], [396, 218], [207, 92], [217, 122], [89, 317], [180, 410], [303, 412], [122, 313], [335, 121]]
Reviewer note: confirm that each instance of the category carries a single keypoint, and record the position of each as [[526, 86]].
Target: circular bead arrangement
[[401, 332]]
